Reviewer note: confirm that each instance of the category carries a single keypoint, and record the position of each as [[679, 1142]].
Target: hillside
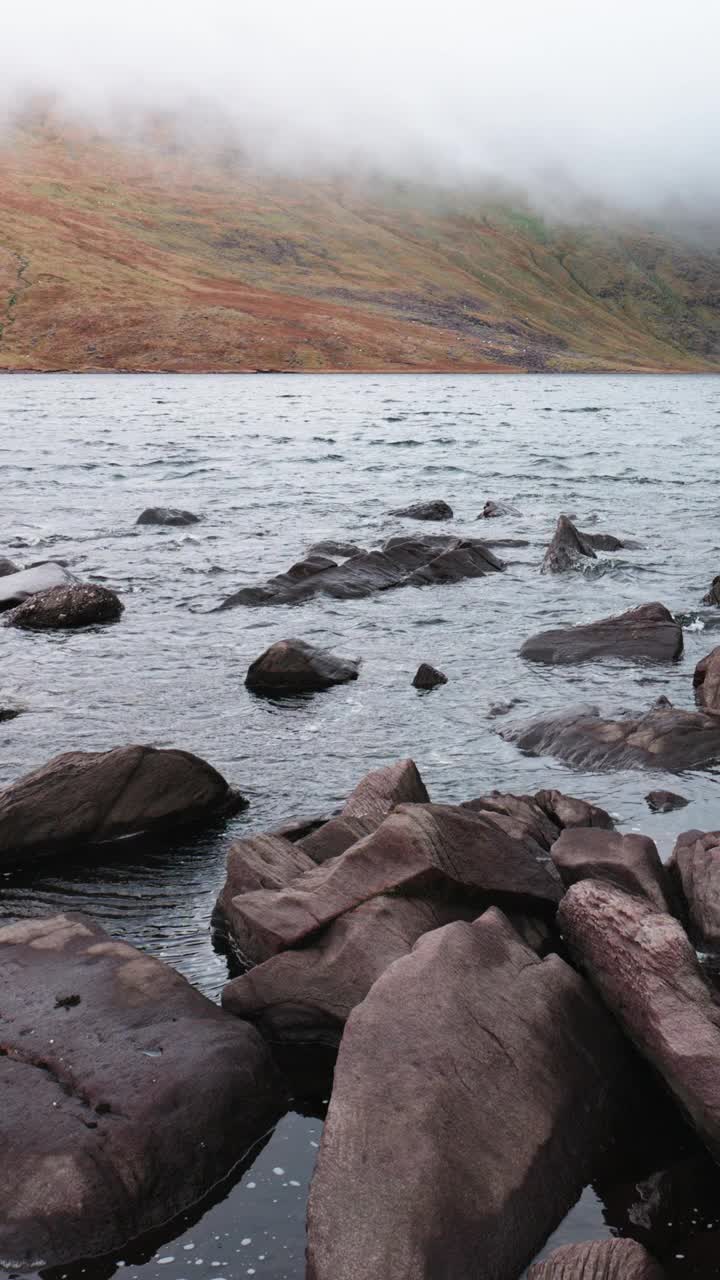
[[148, 256]]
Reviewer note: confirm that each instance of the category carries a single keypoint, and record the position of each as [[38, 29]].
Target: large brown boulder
[[126, 1093], [292, 666], [665, 737], [84, 797], [598, 1260], [695, 867], [539, 819], [642, 964], [257, 862], [648, 633], [567, 549], [631, 862], [16, 587], [375, 796], [417, 848], [79, 604], [706, 681], [506, 1084]]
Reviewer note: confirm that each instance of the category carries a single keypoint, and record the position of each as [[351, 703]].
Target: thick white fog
[[616, 98]]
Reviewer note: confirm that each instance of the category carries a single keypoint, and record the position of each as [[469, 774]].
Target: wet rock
[[337, 835], [378, 793], [713, 595], [649, 633], [416, 849], [492, 510], [126, 1093], [607, 542], [258, 862], [297, 828], [665, 801], [706, 682], [17, 587], [402, 562], [631, 862], [642, 964], [84, 797], [663, 738], [80, 604], [7, 567], [568, 811], [292, 666], [598, 1260], [435, 510], [427, 677], [336, 550], [9, 713], [695, 867], [538, 820], [449, 1203], [167, 515], [567, 549]]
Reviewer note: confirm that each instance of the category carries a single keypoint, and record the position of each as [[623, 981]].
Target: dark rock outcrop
[[336, 550], [665, 801], [7, 567], [631, 862], [663, 738], [608, 542], [706, 682], [292, 666], [85, 797], [17, 587], [403, 562], [427, 677], [167, 515], [492, 510], [81, 604], [713, 595], [642, 964], [567, 549], [522, 1046], [695, 868], [435, 510], [126, 1093], [649, 633], [598, 1260]]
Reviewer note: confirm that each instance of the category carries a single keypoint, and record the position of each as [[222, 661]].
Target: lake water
[[273, 464]]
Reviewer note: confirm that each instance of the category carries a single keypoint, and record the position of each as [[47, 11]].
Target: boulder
[[7, 567], [567, 549], [402, 562], [258, 862], [127, 1094], [335, 836], [607, 542], [642, 964], [435, 510], [336, 550], [665, 801], [166, 515], [648, 633], [706, 682], [509, 1085], [695, 868], [16, 587], [713, 595], [598, 1260], [378, 793], [568, 811], [631, 862], [427, 677], [85, 797], [80, 604], [292, 666], [492, 510], [663, 738], [9, 713], [538, 820], [416, 850]]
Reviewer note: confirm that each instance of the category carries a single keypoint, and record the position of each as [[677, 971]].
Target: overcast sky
[[621, 97]]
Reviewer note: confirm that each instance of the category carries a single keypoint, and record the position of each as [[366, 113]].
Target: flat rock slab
[[598, 1260], [648, 633], [631, 862], [664, 738], [642, 964], [79, 604], [695, 867], [292, 666], [403, 562], [16, 587], [126, 1094], [85, 797], [506, 1086]]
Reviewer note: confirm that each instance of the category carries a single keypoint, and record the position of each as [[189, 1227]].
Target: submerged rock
[[713, 595], [337, 550], [17, 587], [663, 738], [695, 866], [491, 510], [642, 964], [81, 604], [706, 682], [631, 862], [85, 797], [648, 632], [495, 1074], [427, 677], [435, 510], [126, 1093], [167, 515], [665, 801], [567, 549], [292, 666], [7, 567], [598, 1260]]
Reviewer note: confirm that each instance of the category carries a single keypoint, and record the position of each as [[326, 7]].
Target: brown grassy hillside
[[148, 256]]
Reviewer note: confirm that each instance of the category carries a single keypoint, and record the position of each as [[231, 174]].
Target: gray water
[[273, 464]]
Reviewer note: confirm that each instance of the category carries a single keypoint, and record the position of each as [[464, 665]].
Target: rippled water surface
[[273, 464]]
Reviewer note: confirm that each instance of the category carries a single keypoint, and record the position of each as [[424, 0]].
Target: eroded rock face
[[631, 862], [126, 1093], [404, 561], [598, 1260], [292, 666], [16, 587], [525, 1041], [567, 549], [642, 964], [493, 510], [538, 820], [80, 604], [167, 515], [695, 867], [649, 633], [378, 793], [706, 682], [258, 862], [85, 797], [435, 510], [427, 677], [664, 738]]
